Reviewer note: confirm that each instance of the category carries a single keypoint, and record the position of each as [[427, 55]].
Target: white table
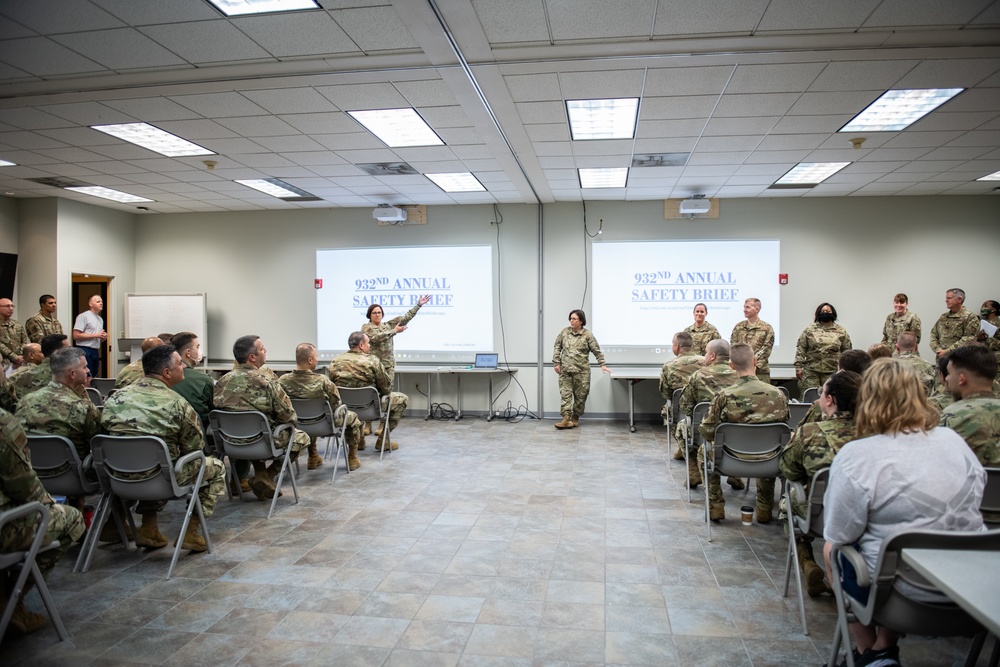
[[969, 578], [458, 372], [632, 375]]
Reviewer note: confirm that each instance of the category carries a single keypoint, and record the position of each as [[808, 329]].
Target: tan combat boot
[[193, 541], [315, 460], [736, 483], [811, 572], [24, 622], [149, 535], [679, 454], [717, 514], [261, 484], [576, 420], [763, 514], [695, 472], [368, 429], [353, 463], [567, 422]]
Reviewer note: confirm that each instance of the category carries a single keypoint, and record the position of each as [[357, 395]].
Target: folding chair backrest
[[364, 401], [991, 496], [103, 385], [314, 416], [95, 397], [697, 415], [243, 435], [784, 390], [796, 411], [58, 465], [810, 395], [123, 461], [817, 489], [749, 450], [675, 405]]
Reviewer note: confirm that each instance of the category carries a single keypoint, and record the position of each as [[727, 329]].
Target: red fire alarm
[[782, 279], [318, 283]]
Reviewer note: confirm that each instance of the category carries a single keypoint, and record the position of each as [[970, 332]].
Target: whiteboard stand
[[131, 345]]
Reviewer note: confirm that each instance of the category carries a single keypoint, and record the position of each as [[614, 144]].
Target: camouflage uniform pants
[[812, 379], [573, 391], [354, 429], [212, 486], [300, 440], [397, 403], [765, 487], [65, 524]]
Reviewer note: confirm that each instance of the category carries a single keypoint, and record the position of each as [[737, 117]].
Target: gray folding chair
[[796, 411], [694, 439], [24, 562], [990, 506], [889, 605], [95, 397], [811, 525], [103, 385], [673, 413], [367, 404], [317, 419], [248, 436], [784, 390], [117, 457], [744, 450], [810, 395]]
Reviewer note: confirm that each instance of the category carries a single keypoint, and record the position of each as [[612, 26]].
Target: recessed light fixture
[[108, 193], [240, 7], [398, 128], [604, 177], [457, 182], [808, 174], [4, 163], [602, 119], [896, 110], [995, 176], [278, 188], [153, 138]]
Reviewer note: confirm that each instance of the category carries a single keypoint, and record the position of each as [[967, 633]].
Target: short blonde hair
[[892, 400]]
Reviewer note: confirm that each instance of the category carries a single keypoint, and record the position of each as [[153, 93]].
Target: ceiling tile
[[48, 17], [894, 13], [364, 96], [774, 78], [258, 126], [322, 123], [304, 33], [87, 113], [708, 17], [151, 109], [119, 49], [433, 93], [601, 84], [147, 13], [772, 104], [661, 82], [375, 29], [219, 105], [29, 118], [206, 41], [784, 15], [735, 126], [878, 75], [43, 57], [290, 100], [819, 104], [590, 19], [533, 87], [677, 107], [507, 21]]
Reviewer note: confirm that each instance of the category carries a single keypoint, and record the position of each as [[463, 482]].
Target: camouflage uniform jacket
[[700, 336], [8, 399], [676, 373], [246, 389], [941, 398], [130, 374], [307, 384], [197, 388], [814, 445], [746, 401], [977, 419], [149, 407], [354, 368], [12, 339], [897, 324], [56, 409], [954, 329], [760, 337], [706, 383], [819, 347], [380, 337], [927, 371], [18, 482], [31, 380], [572, 350], [39, 325]]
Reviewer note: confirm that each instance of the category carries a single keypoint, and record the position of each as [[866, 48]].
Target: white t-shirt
[[89, 323], [883, 485]]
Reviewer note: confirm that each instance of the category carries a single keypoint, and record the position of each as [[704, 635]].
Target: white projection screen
[[645, 292], [453, 326]]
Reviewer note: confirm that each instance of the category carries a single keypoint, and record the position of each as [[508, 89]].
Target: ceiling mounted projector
[[386, 213], [695, 206]]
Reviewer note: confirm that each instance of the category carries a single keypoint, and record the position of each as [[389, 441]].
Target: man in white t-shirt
[[89, 333]]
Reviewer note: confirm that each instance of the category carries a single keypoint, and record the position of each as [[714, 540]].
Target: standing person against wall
[[89, 333], [12, 337], [900, 320], [756, 333], [702, 332], [818, 350], [571, 359], [44, 322]]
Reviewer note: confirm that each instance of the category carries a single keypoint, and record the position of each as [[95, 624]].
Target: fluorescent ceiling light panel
[[153, 138], [240, 7], [4, 163], [398, 128], [995, 176], [602, 119], [810, 173], [605, 177], [108, 193], [276, 188], [896, 110], [457, 182]]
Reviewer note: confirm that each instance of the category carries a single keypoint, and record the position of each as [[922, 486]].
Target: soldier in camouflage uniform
[[149, 407], [942, 398], [675, 374], [34, 378], [246, 388], [303, 382], [571, 362], [704, 384], [956, 326], [812, 448], [990, 312], [975, 414], [32, 353], [197, 386], [357, 368], [133, 372], [818, 349], [756, 333], [44, 322], [906, 351], [746, 401], [12, 336], [900, 320], [8, 399], [19, 485], [701, 331], [381, 332]]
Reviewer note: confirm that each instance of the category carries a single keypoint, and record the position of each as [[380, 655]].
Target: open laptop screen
[[487, 360]]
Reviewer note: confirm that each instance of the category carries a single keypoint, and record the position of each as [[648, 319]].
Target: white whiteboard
[[150, 314]]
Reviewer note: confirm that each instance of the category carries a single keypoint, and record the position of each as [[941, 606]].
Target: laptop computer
[[487, 360]]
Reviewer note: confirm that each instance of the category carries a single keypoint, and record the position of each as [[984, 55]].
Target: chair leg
[[792, 561], [50, 605], [977, 647], [708, 509], [842, 634], [195, 501], [384, 438], [90, 543], [995, 655]]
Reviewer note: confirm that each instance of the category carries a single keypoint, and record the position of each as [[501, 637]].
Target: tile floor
[[475, 544]]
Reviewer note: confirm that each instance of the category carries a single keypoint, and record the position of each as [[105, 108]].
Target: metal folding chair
[[796, 411], [317, 419], [990, 506], [367, 404], [810, 395], [95, 397], [811, 525], [103, 385], [694, 440]]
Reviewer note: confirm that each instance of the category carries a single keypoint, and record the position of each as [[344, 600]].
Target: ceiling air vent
[[660, 160], [387, 169]]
